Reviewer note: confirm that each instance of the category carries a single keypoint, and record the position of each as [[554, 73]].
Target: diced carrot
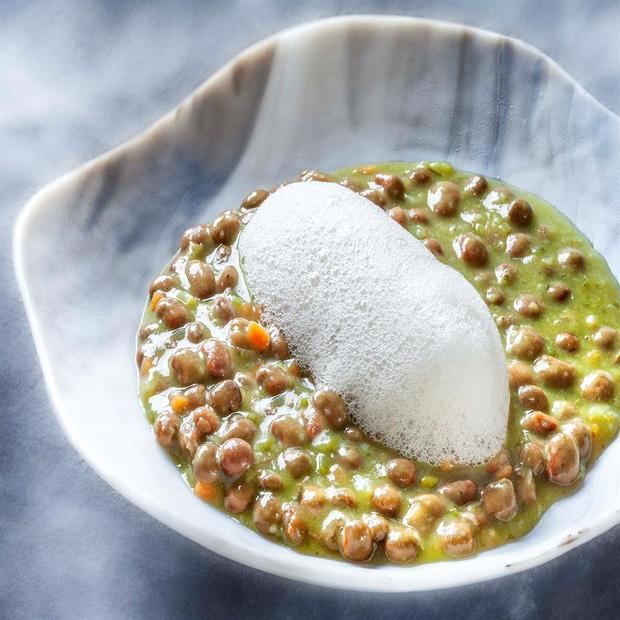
[[179, 403], [146, 365], [206, 490], [258, 336], [157, 296]]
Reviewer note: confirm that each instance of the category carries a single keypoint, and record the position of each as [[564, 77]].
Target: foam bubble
[[373, 315]]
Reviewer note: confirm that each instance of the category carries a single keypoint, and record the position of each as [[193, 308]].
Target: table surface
[[80, 76]]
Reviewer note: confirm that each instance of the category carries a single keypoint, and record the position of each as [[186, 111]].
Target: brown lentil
[[352, 433], [562, 459], [520, 212], [239, 427], [225, 397], [204, 463], [554, 372], [227, 278], [378, 526], [162, 283], [533, 457], [238, 498], [598, 385], [273, 379], [519, 374], [254, 199], [532, 397], [293, 524], [166, 429], [401, 472], [457, 538], [434, 246], [424, 513], [196, 332], [196, 396], [500, 465], [571, 258], [187, 366], [357, 543], [558, 291], [605, 337], [499, 499], [288, 430], [270, 480], [476, 185], [529, 305], [494, 296], [386, 499], [341, 497], [198, 234], [417, 216], [505, 273], [201, 279], [421, 175], [526, 485], [471, 250], [517, 245], [278, 344], [267, 513], [392, 184], [332, 406], [226, 228], [444, 198], [331, 530], [378, 196], [524, 342], [567, 341], [399, 215], [205, 420], [235, 457], [218, 359], [313, 497], [297, 462], [223, 309], [172, 311], [582, 435], [401, 545], [460, 492], [350, 457]]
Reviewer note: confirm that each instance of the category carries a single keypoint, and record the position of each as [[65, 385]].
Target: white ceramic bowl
[[326, 94]]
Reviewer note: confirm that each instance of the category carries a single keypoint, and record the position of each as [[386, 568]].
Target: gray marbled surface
[[77, 77]]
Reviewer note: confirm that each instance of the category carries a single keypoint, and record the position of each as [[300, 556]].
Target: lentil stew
[[252, 436]]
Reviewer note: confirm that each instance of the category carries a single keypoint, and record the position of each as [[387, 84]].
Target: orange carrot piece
[[157, 296], [258, 336], [179, 403], [146, 365], [206, 490]]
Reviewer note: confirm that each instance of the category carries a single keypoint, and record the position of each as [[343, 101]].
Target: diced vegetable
[[258, 336]]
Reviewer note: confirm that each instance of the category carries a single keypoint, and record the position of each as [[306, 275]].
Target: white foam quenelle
[[375, 316]]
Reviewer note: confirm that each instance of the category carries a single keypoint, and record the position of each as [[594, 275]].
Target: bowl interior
[[324, 95]]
